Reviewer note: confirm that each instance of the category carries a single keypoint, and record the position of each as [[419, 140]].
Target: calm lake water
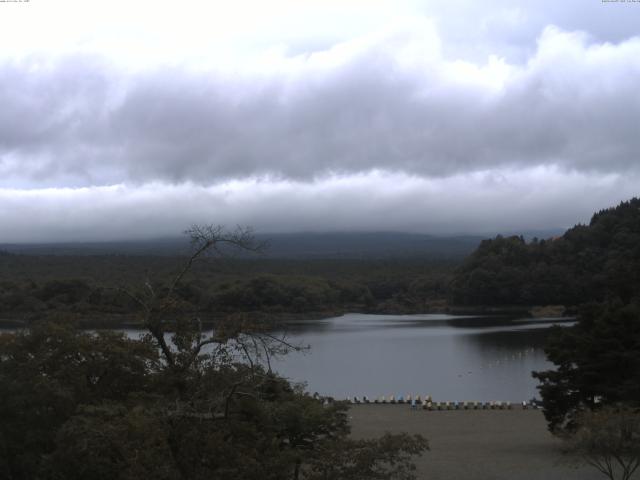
[[448, 357]]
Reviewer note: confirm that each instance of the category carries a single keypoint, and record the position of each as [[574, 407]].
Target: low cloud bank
[[483, 202]]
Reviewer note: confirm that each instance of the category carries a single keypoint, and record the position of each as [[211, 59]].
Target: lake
[[454, 358], [450, 357]]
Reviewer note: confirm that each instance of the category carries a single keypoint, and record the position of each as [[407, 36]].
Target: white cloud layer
[[482, 202]]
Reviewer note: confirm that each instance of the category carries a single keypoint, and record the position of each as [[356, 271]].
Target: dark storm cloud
[[392, 103]]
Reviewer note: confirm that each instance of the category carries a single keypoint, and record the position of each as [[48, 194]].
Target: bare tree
[[609, 440], [235, 333]]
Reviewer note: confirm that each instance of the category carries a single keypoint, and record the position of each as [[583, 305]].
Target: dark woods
[[182, 402], [88, 287], [595, 262]]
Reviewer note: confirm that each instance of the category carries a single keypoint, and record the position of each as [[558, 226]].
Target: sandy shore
[[476, 444]]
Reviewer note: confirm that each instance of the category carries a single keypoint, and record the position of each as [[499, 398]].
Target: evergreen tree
[[597, 363]]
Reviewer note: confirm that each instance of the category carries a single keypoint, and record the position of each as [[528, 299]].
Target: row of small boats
[[427, 403]]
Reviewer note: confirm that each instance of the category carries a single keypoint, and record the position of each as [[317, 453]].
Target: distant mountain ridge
[[369, 244], [282, 245]]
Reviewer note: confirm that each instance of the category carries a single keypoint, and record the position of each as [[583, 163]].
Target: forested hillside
[[90, 288], [591, 262]]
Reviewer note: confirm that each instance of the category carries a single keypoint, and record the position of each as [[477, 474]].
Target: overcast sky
[[128, 119]]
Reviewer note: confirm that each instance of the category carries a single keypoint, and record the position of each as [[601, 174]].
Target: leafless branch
[[282, 341], [267, 355]]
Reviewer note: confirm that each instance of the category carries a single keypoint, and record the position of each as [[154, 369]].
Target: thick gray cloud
[[424, 116], [392, 102]]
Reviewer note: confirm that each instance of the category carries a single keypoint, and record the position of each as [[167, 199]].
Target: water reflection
[[448, 357]]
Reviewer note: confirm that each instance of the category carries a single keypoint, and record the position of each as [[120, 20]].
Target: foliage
[[597, 363], [49, 371], [87, 287], [609, 440], [179, 403], [596, 262]]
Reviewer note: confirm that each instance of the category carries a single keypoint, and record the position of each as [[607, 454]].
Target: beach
[[476, 444]]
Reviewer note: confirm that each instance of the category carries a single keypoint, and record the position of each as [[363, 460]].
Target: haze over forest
[[130, 121]]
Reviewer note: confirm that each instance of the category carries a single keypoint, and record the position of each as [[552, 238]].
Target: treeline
[[97, 289], [595, 262]]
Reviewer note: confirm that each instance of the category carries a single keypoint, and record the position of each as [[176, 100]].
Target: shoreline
[[128, 321]]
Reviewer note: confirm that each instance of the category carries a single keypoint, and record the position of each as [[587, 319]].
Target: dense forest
[[593, 262], [89, 287]]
